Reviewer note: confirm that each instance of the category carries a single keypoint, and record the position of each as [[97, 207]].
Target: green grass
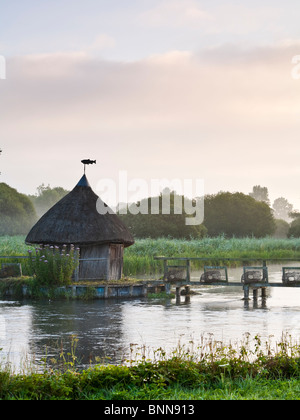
[[139, 258], [243, 389], [13, 245], [90, 387], [212, 372]]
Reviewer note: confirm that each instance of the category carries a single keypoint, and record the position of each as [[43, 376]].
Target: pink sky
[[226, 112]]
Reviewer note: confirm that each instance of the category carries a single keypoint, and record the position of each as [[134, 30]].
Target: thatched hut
[[75, 220]]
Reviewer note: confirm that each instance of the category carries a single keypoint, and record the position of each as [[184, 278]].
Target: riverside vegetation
[[248, 370], [139, 259], [54, 270], [211, 370]]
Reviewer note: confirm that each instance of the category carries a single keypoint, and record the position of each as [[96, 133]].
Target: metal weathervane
[[88, 162]]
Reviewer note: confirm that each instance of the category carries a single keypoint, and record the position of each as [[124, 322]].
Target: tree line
[[225, 213], [19, 212]]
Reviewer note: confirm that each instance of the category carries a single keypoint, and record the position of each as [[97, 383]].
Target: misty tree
[[17, 214], [260, 194], [46, 197], [294, 230], [282, 209], [294, 214], [282, 229]]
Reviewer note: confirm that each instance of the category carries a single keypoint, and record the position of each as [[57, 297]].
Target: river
[[109, 330]]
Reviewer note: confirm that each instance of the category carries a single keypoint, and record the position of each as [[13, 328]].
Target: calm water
[[31, 330]]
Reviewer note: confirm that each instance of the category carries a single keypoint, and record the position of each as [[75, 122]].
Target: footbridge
[[254, 273]]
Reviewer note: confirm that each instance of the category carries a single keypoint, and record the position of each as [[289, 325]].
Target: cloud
[[104, 41], [228, 114], [224, 85], [176, 13], [244, 19], [216, 18], [177, 87], [101, 42], [170, 58]]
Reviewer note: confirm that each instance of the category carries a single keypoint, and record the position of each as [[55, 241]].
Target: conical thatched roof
[[75, 220]]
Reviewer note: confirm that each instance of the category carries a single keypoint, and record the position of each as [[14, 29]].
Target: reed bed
[[139, 258]]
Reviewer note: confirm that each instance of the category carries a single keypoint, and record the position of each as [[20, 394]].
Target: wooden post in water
[[178, 294], [265, 272], [187, 290], [246, 292], [168, 288], [188, 270], [187, 294]]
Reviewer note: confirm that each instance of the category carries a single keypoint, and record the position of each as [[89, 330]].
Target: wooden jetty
[[177, 271], [177, 275]]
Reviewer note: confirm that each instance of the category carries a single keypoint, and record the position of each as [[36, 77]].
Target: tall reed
[[139, 258]]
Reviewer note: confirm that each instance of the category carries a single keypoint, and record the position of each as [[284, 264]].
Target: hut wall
[[94, 270], [116, 252], [109, 266]]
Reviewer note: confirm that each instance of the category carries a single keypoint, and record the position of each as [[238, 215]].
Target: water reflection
[[107, 329], [97, 325], [15, 330]]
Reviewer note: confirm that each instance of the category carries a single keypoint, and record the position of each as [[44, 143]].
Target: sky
[[159, 89]]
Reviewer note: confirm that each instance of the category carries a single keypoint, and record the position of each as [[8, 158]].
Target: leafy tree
[[282, 209], [260, 194], [46, 198], [237, 215], [17, 214], [161, 225], [294, 230], [282, 229], [294, 214]]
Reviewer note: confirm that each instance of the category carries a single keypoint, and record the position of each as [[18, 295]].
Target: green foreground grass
[[149, 381], [248, 371]]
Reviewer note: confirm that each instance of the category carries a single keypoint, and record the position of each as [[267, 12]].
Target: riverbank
[[29, 287], [93, 385], [223, 374]]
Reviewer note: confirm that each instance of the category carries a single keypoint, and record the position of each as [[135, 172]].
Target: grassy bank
[[212, 372], [139, 259], [120, 383]]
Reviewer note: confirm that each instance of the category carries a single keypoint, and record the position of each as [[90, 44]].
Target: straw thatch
[[75, 220]]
